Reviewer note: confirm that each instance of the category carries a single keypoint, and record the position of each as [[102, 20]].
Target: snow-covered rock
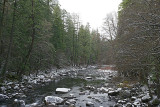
[[88, 78], [113, 93], [53, 100], [137, 102], [30, 87], [10, 83], [16, 87], [122, 101], [104, 90], [19, 103], [72, 101], [82, 93], [72, 95], [41, 76], [62, 90], [90, 104], [133, 98], [3, 89], [128, 105], [3, 97], [146, 98]]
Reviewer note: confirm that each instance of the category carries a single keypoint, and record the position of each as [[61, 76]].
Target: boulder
[[3, 89], [82, 93], [30, 87], [118, 105], [125, 94], [146, 98], [122, 102], [129, 105], [53, 100], [137, 102], [72, 95], [133, 98], [62, 90], [16, 87], [89, 104], [3, 97], [88, 78], [18, 103], [155, 102], [113, 93], [92, 88], [71, 101], [103, 90]]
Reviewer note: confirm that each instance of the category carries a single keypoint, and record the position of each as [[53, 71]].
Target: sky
[[92, 11]]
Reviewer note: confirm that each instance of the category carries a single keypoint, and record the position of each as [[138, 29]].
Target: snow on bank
[[48, 76]]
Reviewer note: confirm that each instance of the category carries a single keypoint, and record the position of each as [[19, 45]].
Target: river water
[[77, 84]]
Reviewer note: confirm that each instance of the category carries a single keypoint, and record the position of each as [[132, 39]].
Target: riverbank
[[91, 87]]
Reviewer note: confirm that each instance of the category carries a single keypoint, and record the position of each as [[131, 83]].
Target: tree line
[[138, 41], [36, 35]]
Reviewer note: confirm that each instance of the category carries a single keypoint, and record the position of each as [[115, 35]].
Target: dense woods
[[37, 35], [137, 41], [38, 38]]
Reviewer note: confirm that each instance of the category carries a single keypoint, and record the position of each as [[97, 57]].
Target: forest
[[37, 36]]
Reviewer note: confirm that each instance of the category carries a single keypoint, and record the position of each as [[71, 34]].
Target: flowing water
[[76, 84]]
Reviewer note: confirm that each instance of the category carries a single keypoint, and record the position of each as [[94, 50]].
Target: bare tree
[[110, 31]]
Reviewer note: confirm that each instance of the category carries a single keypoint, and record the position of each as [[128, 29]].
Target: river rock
[[62, 90], [71, 95], [129, 105], [113, 93], [70, 102], [125, 94], [103, 90], [155, 102], [88, 78], [146, 98], [89, 104], [41, 76], [3, 89], [53, 100], [30, 87], [137, 102], [16, 87], [3, 97], [133, 98], [18, 103], [118, 105], [82, 93], [122, 101], [92, 88]]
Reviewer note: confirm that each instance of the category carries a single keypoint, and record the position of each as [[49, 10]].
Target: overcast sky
[[92, 11]]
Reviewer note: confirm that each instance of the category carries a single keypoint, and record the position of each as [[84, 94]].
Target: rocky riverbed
[[86, 87]]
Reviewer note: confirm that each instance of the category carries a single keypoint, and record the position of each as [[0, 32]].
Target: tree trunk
[[24, 63], [73, 54], [1, 29], [11, 40]]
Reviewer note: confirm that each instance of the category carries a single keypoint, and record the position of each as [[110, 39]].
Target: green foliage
[[123, 5], [58, 37]]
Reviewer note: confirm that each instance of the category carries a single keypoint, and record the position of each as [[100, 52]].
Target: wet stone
[[3, 97], [113, 93], [146, 98], [89, 104], [62, 90], [53, 100], [82, 93], [18, 103]]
